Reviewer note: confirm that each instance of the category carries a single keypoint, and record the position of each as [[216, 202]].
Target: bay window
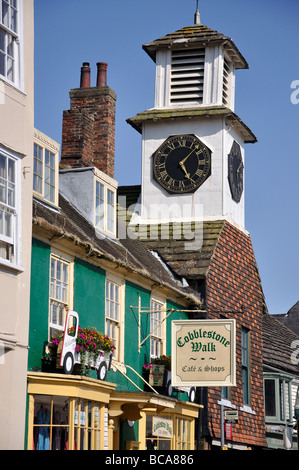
[[278, 399], [45, 168]]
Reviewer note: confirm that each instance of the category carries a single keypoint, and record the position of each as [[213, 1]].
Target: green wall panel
[[39, 302], [132, 358], [89, 295]]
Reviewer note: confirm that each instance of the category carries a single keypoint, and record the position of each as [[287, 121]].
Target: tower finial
[[197, 15]]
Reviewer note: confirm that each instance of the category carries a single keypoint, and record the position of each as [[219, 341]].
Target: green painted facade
[[89, 302]]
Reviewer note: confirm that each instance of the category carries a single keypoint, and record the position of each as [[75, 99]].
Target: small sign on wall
[[162, 427], [203, 353], [156, 377]]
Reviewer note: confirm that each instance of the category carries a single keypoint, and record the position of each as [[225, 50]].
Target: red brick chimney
[[88, 128]]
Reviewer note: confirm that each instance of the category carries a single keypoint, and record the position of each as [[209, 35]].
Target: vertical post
[[222, 425], [139, 323], [110, 434]]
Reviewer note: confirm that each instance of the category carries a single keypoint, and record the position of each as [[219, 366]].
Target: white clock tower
[[192, 140]]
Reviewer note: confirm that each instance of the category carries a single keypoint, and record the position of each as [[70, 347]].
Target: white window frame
[[157, 327], [111, 321], [282, 398], [66, 303], [11, 242], [45, 145], [16, 34], [105, 213]]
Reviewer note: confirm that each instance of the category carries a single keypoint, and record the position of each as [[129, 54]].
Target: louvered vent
[[225, 90], [187, 76]]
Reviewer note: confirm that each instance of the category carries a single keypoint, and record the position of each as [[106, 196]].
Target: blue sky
[[70, 32]]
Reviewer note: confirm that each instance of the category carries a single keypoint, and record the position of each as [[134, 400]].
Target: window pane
[[270, 408], [2, 41], [5, 13], [59, 292], [100, 208]]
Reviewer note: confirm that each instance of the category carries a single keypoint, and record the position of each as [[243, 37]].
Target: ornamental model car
[[69, 356], [191, 391]]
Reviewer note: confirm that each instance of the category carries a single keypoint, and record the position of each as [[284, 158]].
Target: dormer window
[[45, 168], [187, 76], [105, 210]]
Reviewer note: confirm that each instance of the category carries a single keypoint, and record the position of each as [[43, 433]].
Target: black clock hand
[[183, 161]]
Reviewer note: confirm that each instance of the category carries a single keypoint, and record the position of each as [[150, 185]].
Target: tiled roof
[[198, 36], [179, 254], [67, 223], [277, 341], [291, 319], [193, 113], [176, 251]]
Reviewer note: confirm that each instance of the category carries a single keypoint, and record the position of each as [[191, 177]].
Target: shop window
[[87, 425], [182, 434], [168, 433], [67, 423], [155, 432], [51, 423]]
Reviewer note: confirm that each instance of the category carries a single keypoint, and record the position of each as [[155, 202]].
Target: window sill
[[12, 85], [227, 403], [247, 409], [10, 266]]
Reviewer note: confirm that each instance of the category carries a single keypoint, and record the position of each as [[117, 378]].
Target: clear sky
[[70, 32]]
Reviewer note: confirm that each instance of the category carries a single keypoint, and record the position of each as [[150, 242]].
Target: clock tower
[[192, 140]]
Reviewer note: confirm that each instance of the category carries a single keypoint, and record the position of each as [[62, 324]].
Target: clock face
[[235, 172], [181, 164]]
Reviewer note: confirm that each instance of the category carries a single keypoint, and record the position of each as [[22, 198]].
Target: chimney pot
[[85, 75], [102, 74]]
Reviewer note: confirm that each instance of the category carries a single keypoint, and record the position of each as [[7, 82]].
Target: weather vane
[[197, 16]]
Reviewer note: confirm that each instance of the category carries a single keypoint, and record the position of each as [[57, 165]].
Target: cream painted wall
[[16, 134]]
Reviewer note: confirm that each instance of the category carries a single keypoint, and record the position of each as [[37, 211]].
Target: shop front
[[148, 421], [69, 412]]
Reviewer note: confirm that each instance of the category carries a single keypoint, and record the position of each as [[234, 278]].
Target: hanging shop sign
[[203, 353], [162, 427], [156, 376]]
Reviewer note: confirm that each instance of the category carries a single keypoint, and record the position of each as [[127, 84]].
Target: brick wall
[[233, 285], [88, 130]]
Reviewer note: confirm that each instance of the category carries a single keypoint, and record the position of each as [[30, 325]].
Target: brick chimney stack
[[88, 128]]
